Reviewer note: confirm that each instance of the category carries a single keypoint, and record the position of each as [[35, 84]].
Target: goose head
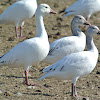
[[80, 20], [92, 29], [44, 9]]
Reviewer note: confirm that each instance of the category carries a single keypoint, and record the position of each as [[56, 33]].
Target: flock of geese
[[67, 56]]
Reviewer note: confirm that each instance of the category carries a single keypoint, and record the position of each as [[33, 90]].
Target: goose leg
[[21, 31], [26, 79], [21, 27], [87, 18], [74, 93], [16, 31], [72, 90]]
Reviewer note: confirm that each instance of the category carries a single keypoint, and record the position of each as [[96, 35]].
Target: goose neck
[[75, 30], [40, 28], [90, 44]]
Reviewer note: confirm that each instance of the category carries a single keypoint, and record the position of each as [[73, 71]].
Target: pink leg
[[21, 31], [26, 79], [74, 93], [16, 30], [73, 90], [87, 20]]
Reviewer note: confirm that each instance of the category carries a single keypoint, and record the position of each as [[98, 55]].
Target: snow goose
[[66, 45], [75, 65], [33, 50], [83, 7], [18, 12]]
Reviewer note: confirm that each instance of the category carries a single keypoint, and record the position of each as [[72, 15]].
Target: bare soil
[[12, 85]]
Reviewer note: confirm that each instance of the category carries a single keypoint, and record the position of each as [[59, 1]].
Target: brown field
[[12, 79]]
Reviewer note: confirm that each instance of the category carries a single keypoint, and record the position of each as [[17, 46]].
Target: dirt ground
[[12, 79]]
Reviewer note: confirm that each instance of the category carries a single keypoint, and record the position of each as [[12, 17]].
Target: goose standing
[[83, 7], [66, 45], [17, 13], [33, 50], [75, 65]]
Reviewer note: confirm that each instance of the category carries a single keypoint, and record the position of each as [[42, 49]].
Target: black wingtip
[[62, 11], [98, 33]]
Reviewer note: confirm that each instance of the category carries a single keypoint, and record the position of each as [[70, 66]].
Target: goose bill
[[98, 33], [87, 23], [52, 11]]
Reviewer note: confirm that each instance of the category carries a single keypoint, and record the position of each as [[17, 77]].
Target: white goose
[[18, 12], [30, 51], [75, 65], [70, 44], [83, 7]]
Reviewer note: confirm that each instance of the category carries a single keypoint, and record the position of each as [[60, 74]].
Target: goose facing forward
[[83, 7], [33, 50], [75, 65], [17, 13], [70, 44]]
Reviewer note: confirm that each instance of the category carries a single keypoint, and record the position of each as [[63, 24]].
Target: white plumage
[[83, 7], [69, 44], [75, 65], [31, 51], [18, 12]]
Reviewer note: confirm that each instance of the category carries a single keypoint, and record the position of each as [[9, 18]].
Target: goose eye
[[80, 18], [46, 7], [93, 28]]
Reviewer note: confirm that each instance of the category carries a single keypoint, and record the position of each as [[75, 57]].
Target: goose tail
[[44, 76]]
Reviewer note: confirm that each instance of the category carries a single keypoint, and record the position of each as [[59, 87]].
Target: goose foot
[[74, 92], [29, 84], [26, 79], [21, 32], [22, 37]]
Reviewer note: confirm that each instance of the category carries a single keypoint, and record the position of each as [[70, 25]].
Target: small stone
[[54, 28], [65, 98], [86, 98], [38, 90], [31, 87], [68, 92], [11, 39], [1, 74], [55, 37], [7, 93], [99, 87], [93, 87], [30, 33], [98, 72], [1, 92], [64, 83], [19, 94], [49, 36], [57, 95], [58, 33], [59, 19], [83, 87], [46, 85]]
